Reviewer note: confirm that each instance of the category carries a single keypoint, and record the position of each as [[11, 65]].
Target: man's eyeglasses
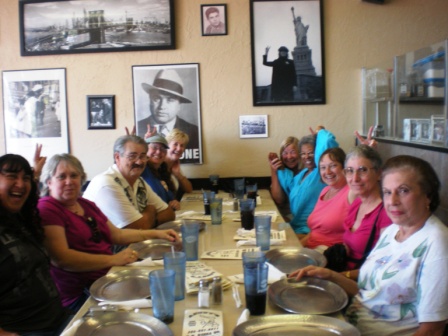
[[361, 171], [96, 234], [157, 148], [136, 157]]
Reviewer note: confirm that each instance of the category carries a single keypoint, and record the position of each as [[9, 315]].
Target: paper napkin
[[148, 262], [139, 303]]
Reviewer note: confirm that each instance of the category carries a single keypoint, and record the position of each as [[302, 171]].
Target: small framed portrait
[[415, 130], [425, 130], [214, 19], [438, 129], [253, 126], [101, 112]]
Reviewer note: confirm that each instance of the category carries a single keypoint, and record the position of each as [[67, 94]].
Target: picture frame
[[101, 112], [52, 27], [294, 30], [214, 19], [176, 85], [425, 130], [35, 111], [438, 129], [253, 126]]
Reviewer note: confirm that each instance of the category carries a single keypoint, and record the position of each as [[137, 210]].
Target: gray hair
[[307, 140], [51, 166], [120, 143], [366, 152]]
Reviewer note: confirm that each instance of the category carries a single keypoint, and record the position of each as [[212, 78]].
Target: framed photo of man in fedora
[[166, 97]]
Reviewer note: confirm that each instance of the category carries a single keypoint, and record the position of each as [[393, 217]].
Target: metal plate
[[154, 248], [177, 224], [293, 325], [308, 296], [122, 285], [289, 259], [122, 323]]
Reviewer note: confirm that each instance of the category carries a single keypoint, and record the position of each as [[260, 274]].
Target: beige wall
[[357, 34]]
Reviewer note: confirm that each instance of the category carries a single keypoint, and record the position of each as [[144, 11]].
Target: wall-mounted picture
[[167, 97], [287, 52], [214, 19], [101, 112], [35, 111], [438, 129], [253, 126], [85, 26]]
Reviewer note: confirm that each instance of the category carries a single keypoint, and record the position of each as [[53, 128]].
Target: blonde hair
[[289, 141], [177, 135]]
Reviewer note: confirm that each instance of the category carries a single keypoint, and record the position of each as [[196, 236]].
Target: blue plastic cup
[[161, 285], [253, 257], [216, 210], [207, 197], [263, 232], [238, 186], [247, 209], [252, 192], [177, 262], [190, 240], [255, 287]]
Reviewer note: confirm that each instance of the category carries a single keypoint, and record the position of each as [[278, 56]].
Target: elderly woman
[[29, 299], [327, 219], [396, 292], [79, 237], [366, 216], [303, 189], [177, 142], [156, 173]]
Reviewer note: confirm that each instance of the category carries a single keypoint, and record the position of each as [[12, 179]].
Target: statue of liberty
[[300, 29]]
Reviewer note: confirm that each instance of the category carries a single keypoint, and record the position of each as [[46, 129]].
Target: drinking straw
[[172, 250]]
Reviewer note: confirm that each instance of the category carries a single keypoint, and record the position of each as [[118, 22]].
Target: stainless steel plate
[[154, 248], [129, 284], [288, 259], [293, 325], [308, 296], [177, 224], [122, 323]]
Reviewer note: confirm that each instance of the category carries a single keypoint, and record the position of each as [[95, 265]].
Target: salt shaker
[[216, 294], [203, 294]]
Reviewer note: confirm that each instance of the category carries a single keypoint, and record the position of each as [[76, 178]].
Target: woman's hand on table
[[169, 235], [312, 271], [125, 257], [174, 204]]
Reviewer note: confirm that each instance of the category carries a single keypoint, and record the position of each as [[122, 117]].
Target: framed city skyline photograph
[[287, 52], [214, 19], [86, 26], [167, 97], [35, 111], [101, 112], [253, 126]]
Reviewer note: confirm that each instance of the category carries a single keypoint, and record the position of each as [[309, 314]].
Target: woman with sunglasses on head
[[79, 236], [29, 300]]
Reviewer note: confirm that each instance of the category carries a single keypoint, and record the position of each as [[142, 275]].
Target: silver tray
[[288, 259], [122, 323], [308, 296], [154, 248], [129, 284], [293, 325], [177, 224]]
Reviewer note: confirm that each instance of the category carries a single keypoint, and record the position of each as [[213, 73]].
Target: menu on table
[[228, 254], [198, 322], [247, 234]]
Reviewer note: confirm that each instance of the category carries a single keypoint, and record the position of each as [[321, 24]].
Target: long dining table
[[216, 237]]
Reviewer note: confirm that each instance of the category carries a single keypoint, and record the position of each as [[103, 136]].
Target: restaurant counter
[[216, 237]]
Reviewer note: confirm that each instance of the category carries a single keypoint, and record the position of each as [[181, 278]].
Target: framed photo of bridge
[[287, 52], [87, 26]]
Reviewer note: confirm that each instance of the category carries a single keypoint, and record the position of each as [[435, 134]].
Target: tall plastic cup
[[263, 232], [247, 208], [207, 197], [161, 285], [177, 261], [216, 210], [190, 240], [255, 287]]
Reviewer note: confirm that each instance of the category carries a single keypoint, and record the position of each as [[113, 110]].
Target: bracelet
[[347, 274]]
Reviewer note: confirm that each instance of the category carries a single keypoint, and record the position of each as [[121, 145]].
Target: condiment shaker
[[203, 294], [216, 292]]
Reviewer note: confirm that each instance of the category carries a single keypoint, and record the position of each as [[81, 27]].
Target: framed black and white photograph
[[35, 111], [287, 52], [253, 126], [214, 19], [438, 129], [101, 112], [86, 26], [167, 97]]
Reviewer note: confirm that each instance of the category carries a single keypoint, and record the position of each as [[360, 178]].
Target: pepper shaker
[[216, 294]]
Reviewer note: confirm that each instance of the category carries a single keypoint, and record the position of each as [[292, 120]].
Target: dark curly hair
[[12, 163]]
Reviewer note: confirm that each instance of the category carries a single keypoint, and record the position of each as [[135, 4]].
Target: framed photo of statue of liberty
[[287, 52]]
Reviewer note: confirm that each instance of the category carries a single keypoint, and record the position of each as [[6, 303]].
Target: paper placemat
[[198, 322], [228, 254], [196, 271], [247, 234]]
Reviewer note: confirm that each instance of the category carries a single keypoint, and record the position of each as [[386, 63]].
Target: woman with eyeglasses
[[29, 300], [366, 216], [303, 188], [78, 235], [156, 172]]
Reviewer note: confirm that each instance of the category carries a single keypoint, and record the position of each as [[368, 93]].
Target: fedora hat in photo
[[168, 81]]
